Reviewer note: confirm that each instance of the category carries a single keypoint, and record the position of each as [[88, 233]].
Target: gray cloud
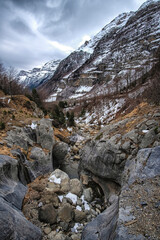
[[35, 31]]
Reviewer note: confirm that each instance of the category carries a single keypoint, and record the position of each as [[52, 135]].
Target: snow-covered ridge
[[118, 22], [36, 76], [147, 3]]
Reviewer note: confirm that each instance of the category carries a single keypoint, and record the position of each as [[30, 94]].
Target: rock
[[77, 158], [59, 182], [50, 197], [47, 214], [47, 230], [42, 162], [88, 194], [60, 236], [59, 152], [65, 213], [79, 215], [126, 146], [100, 158], [148, 139], [20, 137], [75, 187], [146, 164], [13, 225], [75, 150], [103, 226], [44, 134]]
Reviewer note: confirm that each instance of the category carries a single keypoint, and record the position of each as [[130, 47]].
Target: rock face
[[13, 225], [139, 197], [41, 133], [116, 159], [102, 160], [103, 226]]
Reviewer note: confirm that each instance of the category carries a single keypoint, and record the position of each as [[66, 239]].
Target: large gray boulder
[[101, 158], [13, 225], [44, 134], [42, 161], [103, 226]]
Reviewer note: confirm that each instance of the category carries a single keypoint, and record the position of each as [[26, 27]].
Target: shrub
[[71, 121], [62, 104], [2, 125]]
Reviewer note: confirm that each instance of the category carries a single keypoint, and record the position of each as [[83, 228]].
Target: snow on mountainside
[[33, 78], [111, 62], [117, 23]]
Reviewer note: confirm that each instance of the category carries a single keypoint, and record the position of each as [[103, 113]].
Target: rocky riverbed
[[92, 185]]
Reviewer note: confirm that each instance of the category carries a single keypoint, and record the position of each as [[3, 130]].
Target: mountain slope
[[113, 60], [35, 77]]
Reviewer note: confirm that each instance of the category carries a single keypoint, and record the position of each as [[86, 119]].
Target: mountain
[[35, 77], [116, 58]]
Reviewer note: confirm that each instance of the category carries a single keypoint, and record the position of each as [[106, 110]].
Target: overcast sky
[[33, 32]]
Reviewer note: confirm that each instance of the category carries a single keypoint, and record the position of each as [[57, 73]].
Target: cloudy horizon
[[34, 32]]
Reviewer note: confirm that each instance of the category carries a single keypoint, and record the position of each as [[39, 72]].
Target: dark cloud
[[36, 31], [21, 27]]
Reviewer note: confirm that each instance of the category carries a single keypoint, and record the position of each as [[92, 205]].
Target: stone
[[65, 213], [42, 161], [103, 226], [44, 134], [148, 139], [61, 184], [88, 194], [13, 224], [59, 152], [75, 187], [126, 146], [79, 215], [100, 159], [47, 214], [47, 230], [77, 158]]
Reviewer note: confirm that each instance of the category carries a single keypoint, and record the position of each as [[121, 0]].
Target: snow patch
[[74, 229], [33, 125], [72, 196], [86, 205], [54, 179], [60, 197], [78, 208]]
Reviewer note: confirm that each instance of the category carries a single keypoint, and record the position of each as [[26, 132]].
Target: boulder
[[42, 161], [102, 160], [76, 187], [44, 134], [59, 151], [65, 213], [103, 226], [47, 214], [13, 225], [88, 194], [58, 182], [79, 215]]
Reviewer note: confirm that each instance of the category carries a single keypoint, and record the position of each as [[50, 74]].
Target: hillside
[[113, 60]]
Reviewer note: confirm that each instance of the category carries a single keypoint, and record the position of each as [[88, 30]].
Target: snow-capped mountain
[[111, 61], [35, 77]]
